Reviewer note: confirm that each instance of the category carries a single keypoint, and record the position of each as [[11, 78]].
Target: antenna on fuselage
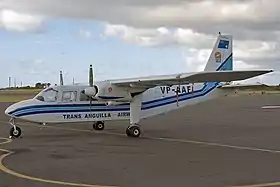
[[61, 78]]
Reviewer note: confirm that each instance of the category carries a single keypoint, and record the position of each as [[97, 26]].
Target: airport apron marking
[[19, 175], [11, 172]]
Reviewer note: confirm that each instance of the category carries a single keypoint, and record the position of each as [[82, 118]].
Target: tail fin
[[221, 56]]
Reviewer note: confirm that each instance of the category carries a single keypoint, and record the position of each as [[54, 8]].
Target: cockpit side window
[[69, 96], [48, 95]]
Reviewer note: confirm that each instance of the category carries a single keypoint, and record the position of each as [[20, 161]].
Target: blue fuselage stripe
[[99, 107], [107, 108]]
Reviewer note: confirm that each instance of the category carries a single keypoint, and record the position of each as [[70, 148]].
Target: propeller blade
[[61, 78], [91, 83], [90, 76]]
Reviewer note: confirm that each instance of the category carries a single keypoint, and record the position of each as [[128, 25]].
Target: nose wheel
[[15, 131]]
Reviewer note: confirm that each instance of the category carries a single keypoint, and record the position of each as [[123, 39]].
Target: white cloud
[[12, 20], [241, 65], [157, 37], [85, 34], [195, 59], [197, 46], [193, 24], [174, 13]]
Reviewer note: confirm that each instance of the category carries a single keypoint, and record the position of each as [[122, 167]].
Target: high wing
[[185, 78]]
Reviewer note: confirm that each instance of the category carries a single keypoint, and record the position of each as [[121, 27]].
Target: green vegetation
[[13, 98], [240, 90], [31, 91], [255, 88], [17, 94]]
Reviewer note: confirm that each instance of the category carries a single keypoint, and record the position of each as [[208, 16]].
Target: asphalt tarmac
[[225, 142]]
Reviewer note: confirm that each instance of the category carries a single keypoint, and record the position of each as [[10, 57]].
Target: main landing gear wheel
[[99, 125], [133, 131], [15, 132]]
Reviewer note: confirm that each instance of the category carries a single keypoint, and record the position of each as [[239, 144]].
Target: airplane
[[130, 99]]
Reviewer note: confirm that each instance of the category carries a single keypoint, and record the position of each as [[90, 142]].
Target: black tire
[[127, 131], [133, 131], [99, 125], [15, 133]]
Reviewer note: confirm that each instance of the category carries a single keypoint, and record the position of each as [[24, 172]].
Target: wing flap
[[185, 78]]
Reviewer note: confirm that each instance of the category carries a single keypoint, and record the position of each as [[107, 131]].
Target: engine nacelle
[[91, 91], [105, 91], [117, 94]]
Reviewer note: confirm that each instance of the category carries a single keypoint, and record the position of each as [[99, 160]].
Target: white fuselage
[[155, 101]]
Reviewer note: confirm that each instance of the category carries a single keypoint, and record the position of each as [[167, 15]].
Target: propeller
[[91, 83], [61, 78], [91, 80], [92, 89]]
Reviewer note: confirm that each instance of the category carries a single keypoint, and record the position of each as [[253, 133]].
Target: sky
[[131, 38]]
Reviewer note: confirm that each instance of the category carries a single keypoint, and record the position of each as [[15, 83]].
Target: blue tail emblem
[[223, 44]]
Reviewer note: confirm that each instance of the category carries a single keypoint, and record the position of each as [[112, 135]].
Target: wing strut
[[177, 95], [135, 109]]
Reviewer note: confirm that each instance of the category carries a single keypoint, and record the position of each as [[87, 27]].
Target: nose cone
[[10, 110], [16, 108]]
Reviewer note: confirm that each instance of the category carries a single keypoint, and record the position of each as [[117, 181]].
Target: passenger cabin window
[[47, 95], [69, 96]]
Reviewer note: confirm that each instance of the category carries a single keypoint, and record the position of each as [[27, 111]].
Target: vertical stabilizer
[[221, 56]]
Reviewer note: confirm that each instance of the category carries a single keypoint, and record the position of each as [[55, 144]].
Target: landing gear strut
[[14, 131], [133, 130], [99, 125]]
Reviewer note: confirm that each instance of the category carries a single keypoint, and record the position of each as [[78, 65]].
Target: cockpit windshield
[[47, 95]]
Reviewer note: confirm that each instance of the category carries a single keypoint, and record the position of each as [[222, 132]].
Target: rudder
[[221, 55]]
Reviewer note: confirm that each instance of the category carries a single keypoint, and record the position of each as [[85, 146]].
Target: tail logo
[[218, 57]]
